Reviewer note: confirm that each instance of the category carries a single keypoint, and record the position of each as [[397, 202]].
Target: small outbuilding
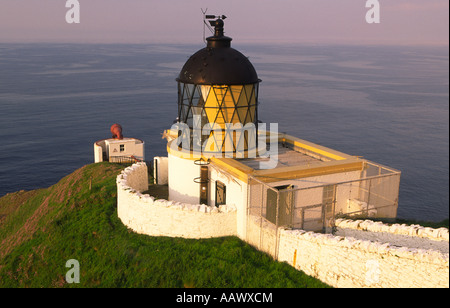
[[118, 149]]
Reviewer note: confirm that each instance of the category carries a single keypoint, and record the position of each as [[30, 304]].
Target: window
[[221, 193], [122, 147]]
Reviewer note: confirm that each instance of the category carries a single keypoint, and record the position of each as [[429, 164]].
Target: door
[[204, 184], [285, 208]]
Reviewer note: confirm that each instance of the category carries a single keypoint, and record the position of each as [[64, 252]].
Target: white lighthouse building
[[228, 174], [220, 154]]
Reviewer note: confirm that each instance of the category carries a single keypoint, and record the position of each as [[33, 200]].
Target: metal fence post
[[302, 219], [261, 217], [276, 230], [248, 208], [368, 199]]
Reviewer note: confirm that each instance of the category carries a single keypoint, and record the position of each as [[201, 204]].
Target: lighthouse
[[217, 116], [218, 92], [220, 184], [218, 153]]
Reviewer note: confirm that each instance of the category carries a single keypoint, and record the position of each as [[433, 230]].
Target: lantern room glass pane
[[190, 91], [218, 105], [242, 113], [236, 93], [212, 101], [205, 91], [250, 93]]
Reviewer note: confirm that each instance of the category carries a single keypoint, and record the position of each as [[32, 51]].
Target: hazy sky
[[256, 21]]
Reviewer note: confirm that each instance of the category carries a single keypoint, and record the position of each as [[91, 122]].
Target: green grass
[[77, 219]]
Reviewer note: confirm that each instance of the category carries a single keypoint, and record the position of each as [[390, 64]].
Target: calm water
[[388, 104]]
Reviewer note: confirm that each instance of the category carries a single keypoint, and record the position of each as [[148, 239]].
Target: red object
[[116, 131]]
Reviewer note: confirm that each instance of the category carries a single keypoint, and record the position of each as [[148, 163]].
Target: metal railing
[[371, 193], [124, 159]]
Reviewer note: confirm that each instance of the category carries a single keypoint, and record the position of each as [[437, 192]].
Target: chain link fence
[[374, 194]]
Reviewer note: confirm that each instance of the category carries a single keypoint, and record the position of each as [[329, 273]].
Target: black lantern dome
[[218, 63], [219, 86]]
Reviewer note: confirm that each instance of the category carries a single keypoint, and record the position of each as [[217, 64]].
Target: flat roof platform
[[286, 157]]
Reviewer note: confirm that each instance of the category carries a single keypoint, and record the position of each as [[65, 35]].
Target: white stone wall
[[262, 234], [134, 178], [440, 234], [143, 214], [402, 235], [349, 262], [371, 257]]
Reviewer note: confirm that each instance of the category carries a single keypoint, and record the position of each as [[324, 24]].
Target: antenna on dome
[[205, 24], [210, 23]]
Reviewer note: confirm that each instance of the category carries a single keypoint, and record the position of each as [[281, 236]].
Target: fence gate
[[312, 217]]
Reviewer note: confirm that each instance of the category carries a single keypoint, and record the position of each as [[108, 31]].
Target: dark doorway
[[203, 184]]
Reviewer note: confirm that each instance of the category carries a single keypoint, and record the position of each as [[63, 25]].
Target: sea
[[388, 104]]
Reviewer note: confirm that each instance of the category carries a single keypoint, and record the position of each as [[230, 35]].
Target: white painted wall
[[98, 152], [314, 196], [161, 170], [143, 214], [182, 187], [131, 147], [236, 195]]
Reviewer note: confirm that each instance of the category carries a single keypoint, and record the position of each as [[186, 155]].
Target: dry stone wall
[[360, 253], [349, 262], [157, 217]]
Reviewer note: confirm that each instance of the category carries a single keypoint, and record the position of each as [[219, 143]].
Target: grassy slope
[[40, 230]]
